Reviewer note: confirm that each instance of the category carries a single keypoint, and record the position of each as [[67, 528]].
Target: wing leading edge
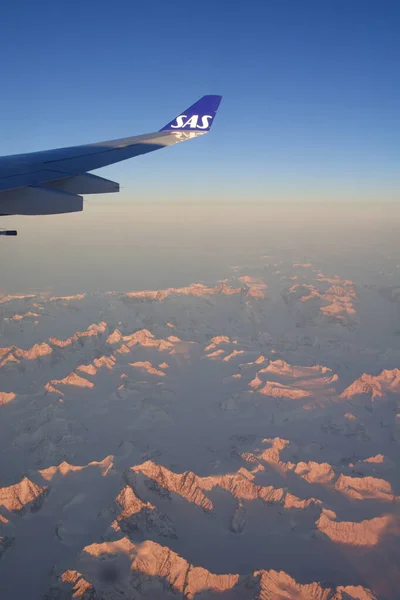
[[54, 181]]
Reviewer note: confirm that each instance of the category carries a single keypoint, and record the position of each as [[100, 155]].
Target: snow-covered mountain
[[235, 439]]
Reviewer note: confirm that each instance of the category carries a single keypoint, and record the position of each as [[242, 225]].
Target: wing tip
[[198, 117]]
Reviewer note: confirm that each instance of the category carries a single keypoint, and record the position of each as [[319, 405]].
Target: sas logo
[[193, 122]]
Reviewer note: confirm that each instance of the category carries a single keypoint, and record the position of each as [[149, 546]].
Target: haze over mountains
[[235, 437]]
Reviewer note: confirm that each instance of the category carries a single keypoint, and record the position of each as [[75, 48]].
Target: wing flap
[[29, 177], [85, 184]]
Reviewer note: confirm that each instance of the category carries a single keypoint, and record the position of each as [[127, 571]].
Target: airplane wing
[[54, 181]]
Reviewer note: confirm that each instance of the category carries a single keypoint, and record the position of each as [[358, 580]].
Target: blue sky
[[311, 92]]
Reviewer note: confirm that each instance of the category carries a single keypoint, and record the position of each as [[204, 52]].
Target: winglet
[[199, 117]]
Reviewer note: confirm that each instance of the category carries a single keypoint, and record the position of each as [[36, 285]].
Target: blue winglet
[[199, 117]]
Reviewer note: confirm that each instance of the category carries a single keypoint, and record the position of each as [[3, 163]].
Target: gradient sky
[[311, 92]]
